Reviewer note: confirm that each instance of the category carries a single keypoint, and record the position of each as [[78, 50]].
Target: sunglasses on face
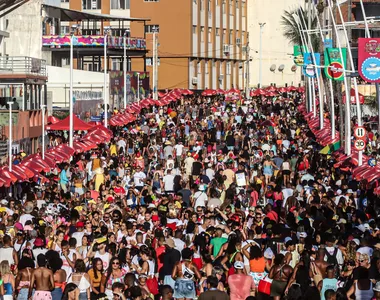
[[116, 263]]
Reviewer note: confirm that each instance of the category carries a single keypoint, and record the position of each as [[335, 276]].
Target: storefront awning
[[75, 15]]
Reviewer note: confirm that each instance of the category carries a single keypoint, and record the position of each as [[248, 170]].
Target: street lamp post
[[43, 106], [105, 96], [260, 52], [10, 136], [71, 96], [126, 35], [138, 88]]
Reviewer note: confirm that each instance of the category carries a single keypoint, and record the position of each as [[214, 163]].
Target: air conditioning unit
[[244, 49], [226, 49], [221, 77], [94, 4], [194, 80], [238, 41]]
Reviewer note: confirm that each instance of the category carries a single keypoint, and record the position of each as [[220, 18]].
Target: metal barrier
[[22, 65]]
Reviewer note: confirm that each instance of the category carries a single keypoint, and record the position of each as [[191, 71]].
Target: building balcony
[[92, 41], [22, 67]]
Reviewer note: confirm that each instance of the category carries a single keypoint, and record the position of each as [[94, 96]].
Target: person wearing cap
[[170, 258], [241, 285], [185, 273], [78, 235], [376, 289]]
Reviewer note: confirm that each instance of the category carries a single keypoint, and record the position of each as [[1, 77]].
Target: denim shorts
[[184, 289]]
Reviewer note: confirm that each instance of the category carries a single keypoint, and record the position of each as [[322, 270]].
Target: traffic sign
[[359, 145], [360, 132]]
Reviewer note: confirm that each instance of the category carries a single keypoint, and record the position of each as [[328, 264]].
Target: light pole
[[155, 63], [43, 106], [10, 136], [126, 35], [107, 29], [260, 52], [138, 88], [71, 103]]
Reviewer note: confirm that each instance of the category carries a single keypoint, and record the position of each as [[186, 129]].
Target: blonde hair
[[4, 267]]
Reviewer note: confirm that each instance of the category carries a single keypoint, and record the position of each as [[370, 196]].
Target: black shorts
[[286, 172]]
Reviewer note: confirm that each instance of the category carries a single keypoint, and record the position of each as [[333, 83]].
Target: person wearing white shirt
[[139, 178], [179, 244], [210, 173], [168, 181], [200, 198]]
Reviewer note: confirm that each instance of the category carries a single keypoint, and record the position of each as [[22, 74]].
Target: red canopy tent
[[53, 120], [65, 124], [353, 98], [208, 93]]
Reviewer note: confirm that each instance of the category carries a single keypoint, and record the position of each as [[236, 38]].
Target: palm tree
[[290, 22]]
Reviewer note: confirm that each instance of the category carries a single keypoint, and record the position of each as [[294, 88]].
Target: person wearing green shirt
[[217, 242]]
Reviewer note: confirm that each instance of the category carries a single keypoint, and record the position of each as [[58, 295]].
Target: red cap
[[293, 208], [80, 224], [155, 218]]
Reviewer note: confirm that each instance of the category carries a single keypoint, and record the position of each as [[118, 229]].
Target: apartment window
[[151, 0], [91, 4], [217, 31], [65, 29], [224, 7], [202, 34], [213, 63], [206, 67], [225, 35], [152, 28], [231, 8], [228, 68], [120, 4], [217, 2], [209, 34], [231, 37], [63, 1], [194, 29], [243, 9], [209, 5], [220, 67], [201, 4], [149, 61], [199, 70]]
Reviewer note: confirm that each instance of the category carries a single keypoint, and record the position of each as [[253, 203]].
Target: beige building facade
[[277, 61]]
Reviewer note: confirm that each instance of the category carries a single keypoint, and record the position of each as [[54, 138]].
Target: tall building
[[202, 43], [277, 66]]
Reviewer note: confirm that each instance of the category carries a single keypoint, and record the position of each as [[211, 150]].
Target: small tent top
[[65, 124]]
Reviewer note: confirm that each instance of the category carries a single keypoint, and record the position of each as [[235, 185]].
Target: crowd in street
[[203, 198]]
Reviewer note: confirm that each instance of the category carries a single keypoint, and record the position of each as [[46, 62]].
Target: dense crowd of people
[[204, 199]]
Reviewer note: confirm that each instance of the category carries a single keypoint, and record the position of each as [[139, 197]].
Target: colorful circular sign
[[359, 145], [335, 70], [310, 70], [372, 162], [371, 68], [360, 132]]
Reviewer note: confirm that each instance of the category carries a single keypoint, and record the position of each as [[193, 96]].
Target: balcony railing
[[22, 65], [62, 41]]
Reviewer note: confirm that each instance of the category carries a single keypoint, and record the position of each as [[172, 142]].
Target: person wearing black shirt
[[170, 257], [230, 141], [197, 168]]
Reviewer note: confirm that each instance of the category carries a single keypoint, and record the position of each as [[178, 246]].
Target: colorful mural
[[57, 41], [117, 84]]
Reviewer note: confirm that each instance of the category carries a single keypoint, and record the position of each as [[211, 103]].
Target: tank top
[[7, 254], [104, 257], [286, 166], [363, 294], [257, 265], [328, 284], [187, 273], [151, 268]]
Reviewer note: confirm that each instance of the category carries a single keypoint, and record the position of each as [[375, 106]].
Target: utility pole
[[247, 72], [308, 86], [261, 53], [155, 64]]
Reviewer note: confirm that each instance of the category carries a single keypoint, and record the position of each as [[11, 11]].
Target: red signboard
[[369, 59]]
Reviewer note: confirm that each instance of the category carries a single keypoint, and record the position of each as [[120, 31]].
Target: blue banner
[[308, 64], [328, 43]]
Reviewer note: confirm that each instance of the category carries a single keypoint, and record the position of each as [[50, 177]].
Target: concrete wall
[[25, 28], [275, 48], [83, 81]]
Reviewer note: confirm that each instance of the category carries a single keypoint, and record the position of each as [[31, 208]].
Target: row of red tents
[[272, 91], [32, 165]]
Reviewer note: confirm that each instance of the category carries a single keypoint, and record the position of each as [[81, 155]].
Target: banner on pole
[[328, 43], [369, 59], [334, 67], [309, 65], [298, 52]]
